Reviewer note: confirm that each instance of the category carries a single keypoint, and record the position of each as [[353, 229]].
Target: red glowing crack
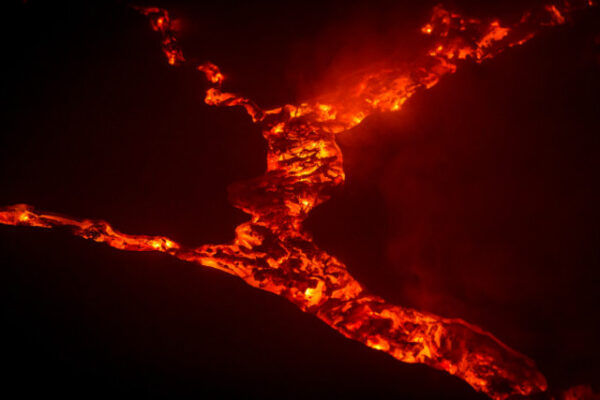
[[272, 252]]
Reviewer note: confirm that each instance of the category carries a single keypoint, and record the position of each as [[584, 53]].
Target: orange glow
[[378, 344], [212, 73], [161, 22], [314, 295], [304, 164]]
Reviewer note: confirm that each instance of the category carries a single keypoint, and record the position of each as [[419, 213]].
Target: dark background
[[478, 200]]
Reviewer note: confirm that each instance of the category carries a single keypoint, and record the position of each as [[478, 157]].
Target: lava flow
[[272, 252]]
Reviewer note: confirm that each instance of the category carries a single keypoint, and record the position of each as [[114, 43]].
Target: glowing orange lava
[[161, 22], [272, 252]]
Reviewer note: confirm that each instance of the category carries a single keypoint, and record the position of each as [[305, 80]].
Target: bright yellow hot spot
[[278, 128], [314, 295], [378, 344]]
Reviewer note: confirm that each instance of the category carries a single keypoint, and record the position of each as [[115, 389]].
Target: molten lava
[[272, 252], [161, 22]]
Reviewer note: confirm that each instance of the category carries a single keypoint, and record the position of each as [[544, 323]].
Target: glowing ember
[[161, 22], [212, 72], [272, 251]]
